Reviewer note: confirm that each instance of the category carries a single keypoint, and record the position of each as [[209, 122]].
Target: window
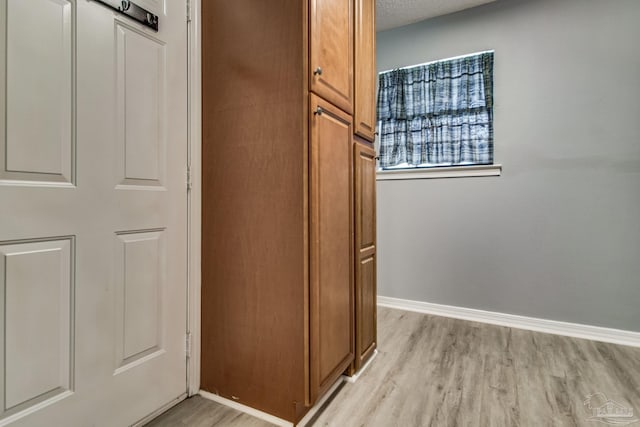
[[437, 114]]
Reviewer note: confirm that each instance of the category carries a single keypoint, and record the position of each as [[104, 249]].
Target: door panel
[[365, 64], [93, 216], [331, 55], [141, 260], [331, 245], [39, 138], [366, 309], [37, 290], [365, 238], [365, 179], [140, 86]]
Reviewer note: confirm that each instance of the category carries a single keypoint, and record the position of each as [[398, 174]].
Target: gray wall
[[557, 236]]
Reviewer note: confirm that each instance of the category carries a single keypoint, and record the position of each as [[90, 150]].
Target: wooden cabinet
[[331, 55], [365, 64], [331, 298], [281, 317], [365, 252], [278, 265], [255, 213]]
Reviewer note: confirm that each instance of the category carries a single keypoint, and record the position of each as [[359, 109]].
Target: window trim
[[465, 171]]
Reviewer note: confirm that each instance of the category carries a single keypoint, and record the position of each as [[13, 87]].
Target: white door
[[93, 212]]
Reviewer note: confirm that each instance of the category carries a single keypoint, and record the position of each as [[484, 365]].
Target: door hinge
[[187, 345], [188, 10], [189, 183]]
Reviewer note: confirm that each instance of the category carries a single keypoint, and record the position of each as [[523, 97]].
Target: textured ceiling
[[396, 13]]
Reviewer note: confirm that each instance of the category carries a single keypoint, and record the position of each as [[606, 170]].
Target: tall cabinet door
[[331, 56], [365, 62], [365, 251], [331, 284]]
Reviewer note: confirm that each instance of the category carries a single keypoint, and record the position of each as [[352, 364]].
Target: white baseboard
[[353, 378], [268, 417], [595, 333], [312, 412], [246, 409]]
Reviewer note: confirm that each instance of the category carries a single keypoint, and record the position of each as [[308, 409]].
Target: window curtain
[[437, 114]]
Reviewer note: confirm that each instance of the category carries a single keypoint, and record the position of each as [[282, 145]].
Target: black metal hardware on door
[[133, 11]]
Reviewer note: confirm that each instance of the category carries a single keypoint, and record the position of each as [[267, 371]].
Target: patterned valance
[[437, 114]]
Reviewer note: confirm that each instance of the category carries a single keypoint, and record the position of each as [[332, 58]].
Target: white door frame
[[195, 196]]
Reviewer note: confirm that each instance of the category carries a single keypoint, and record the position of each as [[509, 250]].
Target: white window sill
[[442, 172]]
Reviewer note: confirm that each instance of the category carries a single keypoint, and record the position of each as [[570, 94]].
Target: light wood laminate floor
[[436, 371]]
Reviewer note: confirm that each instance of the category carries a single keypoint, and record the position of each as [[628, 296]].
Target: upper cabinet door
[[331, 56], [365, 66]]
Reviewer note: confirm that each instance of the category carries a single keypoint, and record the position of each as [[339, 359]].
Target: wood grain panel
[[365, 251], [365, 181], [366, 313], [254, 218], [364, 112], [331, 245], [200, 412], [331, 39], [437, 371], [448, 372]]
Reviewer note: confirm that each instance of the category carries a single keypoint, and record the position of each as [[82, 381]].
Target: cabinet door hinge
[[188, 10], [189, 183], [187, 345]]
